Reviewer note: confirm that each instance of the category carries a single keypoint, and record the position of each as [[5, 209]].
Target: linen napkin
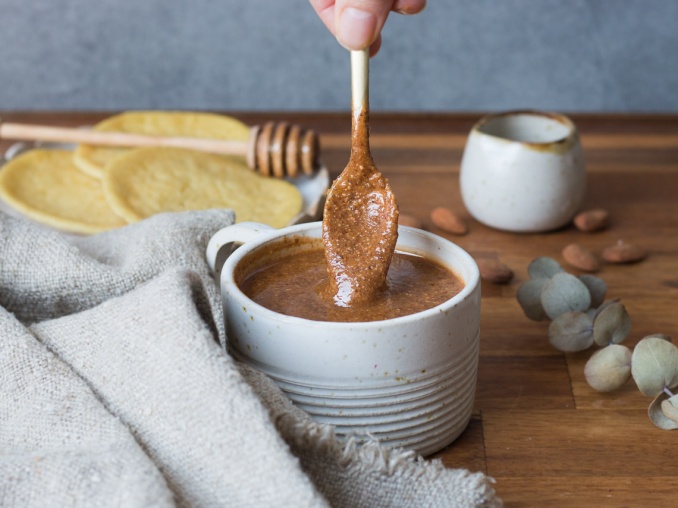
[[116, 389]]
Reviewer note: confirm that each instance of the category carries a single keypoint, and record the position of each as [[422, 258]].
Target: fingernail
[[356, 28]]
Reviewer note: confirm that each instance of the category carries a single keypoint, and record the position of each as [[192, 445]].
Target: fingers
[[325, 11], [408, 6], [357, 24], [375, 46]]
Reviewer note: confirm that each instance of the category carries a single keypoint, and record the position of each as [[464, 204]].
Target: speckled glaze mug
[[523, 171], [409, 381]]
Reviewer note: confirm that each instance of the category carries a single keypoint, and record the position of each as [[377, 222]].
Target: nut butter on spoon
[[360, 220]]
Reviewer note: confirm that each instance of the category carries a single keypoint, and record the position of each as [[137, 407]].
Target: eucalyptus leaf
[[543, 268], [529, 298], [597, 288], [604, 306], [659, 336], [564, 293], [654, 365], [670, 408], [657, 415], [611, 325], [571, 331], [608, 368]]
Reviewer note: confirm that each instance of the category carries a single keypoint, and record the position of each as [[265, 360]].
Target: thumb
[[358, 23]]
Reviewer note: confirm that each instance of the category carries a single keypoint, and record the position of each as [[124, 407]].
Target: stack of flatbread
[[94, 188]]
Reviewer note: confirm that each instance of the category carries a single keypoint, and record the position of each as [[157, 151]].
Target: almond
[[409, 220], [590, 221], [621, 253], [494, 271], [580, 257], [448, 221]]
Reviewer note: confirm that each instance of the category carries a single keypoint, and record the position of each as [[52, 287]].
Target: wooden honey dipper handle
[[274, 149]]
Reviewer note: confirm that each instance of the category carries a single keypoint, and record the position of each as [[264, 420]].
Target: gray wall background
[[472, 55]]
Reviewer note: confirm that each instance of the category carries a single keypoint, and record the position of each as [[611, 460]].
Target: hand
[[357, 24]]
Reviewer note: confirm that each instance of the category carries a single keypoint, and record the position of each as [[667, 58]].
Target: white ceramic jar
[[409, 381], [523, 171]]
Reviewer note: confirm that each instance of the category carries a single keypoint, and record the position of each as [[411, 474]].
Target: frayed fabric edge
[[366, 454]]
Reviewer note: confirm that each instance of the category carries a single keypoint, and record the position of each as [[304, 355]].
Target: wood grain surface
[[537, 428]]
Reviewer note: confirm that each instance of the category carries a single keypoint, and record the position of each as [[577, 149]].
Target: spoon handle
[[359, 79]]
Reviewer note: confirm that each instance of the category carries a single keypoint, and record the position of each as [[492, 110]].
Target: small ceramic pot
[[409, 381], [523, 171]]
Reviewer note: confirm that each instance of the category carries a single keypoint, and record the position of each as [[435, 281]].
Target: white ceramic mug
[[409, 381], [523, 171]]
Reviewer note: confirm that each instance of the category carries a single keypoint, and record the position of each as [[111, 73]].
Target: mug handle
[[227, 240]]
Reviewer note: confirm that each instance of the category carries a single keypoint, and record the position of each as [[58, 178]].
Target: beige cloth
[[116, 390]]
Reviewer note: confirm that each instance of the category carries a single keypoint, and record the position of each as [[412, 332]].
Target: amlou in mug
[[408, 381], [523, 171]]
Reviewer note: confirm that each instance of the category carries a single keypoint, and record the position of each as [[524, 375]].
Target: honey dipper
[[273, 149]]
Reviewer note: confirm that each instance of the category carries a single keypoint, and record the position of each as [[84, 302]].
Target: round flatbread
[[93, 159], [146, 181], [45, 186]]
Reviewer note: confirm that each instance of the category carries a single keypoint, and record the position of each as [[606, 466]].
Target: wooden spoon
[[360, 221]]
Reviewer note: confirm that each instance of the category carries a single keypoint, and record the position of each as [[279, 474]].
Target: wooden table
[[537, 428]]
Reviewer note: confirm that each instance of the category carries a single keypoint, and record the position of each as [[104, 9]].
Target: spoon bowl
[[360, 220]]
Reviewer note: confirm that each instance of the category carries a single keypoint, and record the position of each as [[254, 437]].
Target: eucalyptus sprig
[[580, 318]]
